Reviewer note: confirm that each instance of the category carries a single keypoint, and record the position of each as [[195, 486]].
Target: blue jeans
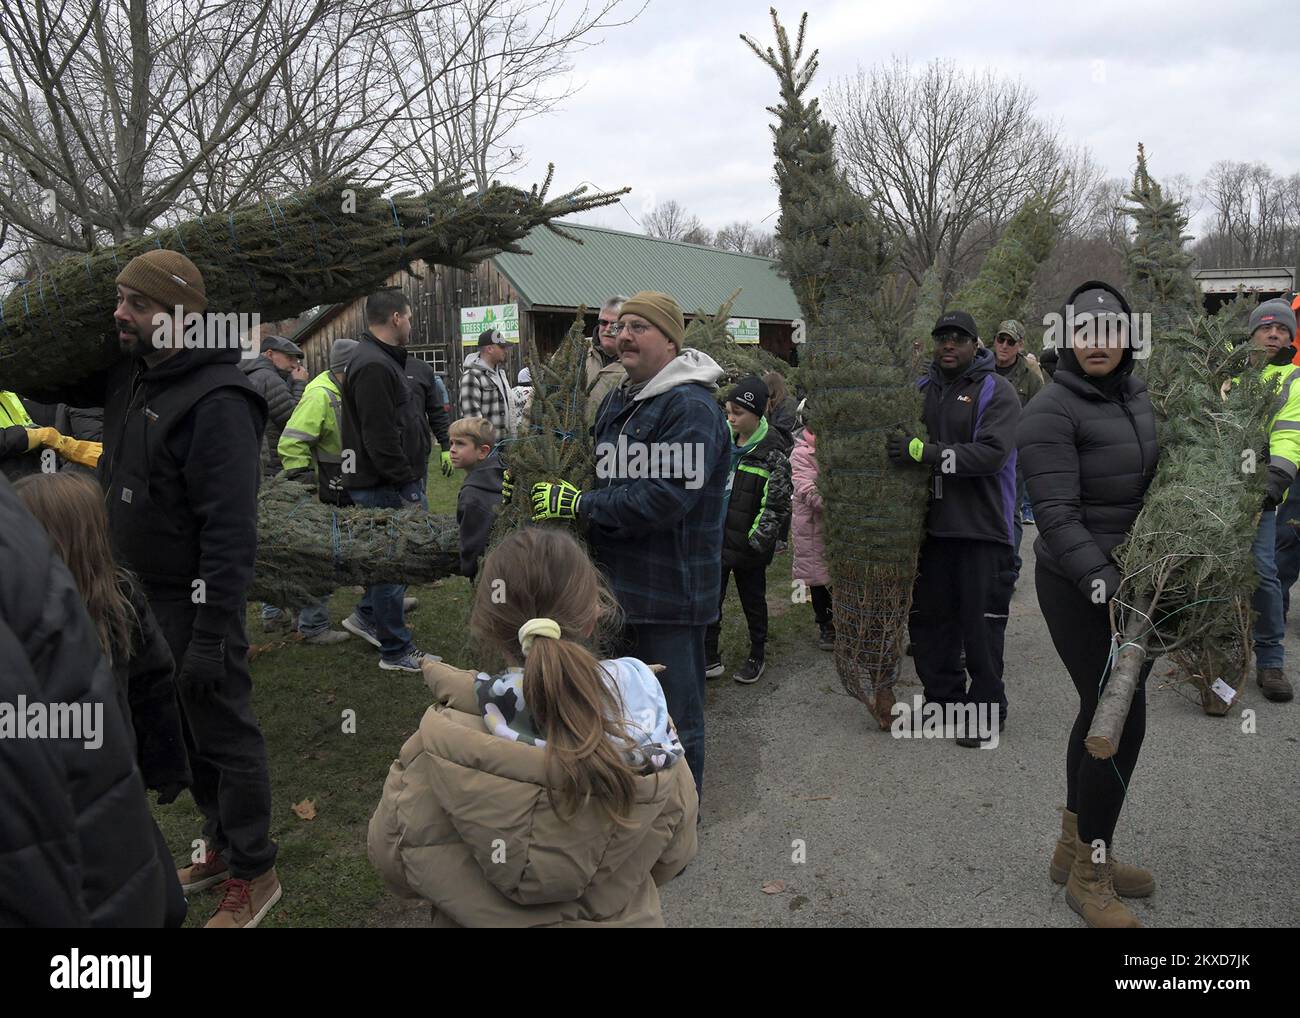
[[313, 619], [381, 605], [680, 649], [1288, 546], [1267, 602]]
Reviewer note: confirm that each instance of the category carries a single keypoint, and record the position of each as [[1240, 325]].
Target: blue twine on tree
[[335, 541], [90, 278]]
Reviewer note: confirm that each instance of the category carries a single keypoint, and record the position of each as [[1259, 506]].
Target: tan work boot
[[1090, 892], [200, 876], [245, 902], [1130, 881], [1274, 685]]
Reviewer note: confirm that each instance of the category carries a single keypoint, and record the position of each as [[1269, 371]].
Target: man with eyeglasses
[[1026, 378], [654, 516], [604, 368], [963, 588]]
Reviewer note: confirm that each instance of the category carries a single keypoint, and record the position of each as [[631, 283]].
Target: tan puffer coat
[[465, 823]]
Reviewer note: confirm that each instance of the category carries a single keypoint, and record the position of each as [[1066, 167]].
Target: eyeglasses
[[1006, 340], [607, 323], [637, 329], [959, 338]]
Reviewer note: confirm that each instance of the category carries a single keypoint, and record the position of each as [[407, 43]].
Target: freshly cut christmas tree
[[330, 243], [857, 369], [708, 334], [1002, 288], [1187, 567], [306, 549]]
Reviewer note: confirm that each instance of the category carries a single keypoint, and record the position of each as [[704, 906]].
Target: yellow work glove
[[42, 436], [85, 453]]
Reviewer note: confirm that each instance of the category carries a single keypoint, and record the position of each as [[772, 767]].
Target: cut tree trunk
[[1117, 696]]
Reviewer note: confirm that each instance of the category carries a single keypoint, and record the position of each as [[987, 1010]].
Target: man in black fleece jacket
[[964, 579], [385, 442], [180, 465]]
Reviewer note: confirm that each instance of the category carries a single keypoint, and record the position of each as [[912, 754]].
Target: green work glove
[[903, 449], [557, 501], [507, 488], [446, 463]]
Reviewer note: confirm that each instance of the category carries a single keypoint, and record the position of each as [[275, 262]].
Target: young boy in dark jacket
[[757, 511], [473, 449]]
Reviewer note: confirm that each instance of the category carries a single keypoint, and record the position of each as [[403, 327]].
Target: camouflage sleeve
[[775, 509]]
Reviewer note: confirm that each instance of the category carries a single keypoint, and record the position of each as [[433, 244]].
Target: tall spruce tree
[[857, 368], [1002, 287]]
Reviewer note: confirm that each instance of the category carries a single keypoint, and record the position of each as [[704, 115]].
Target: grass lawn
[[300, 694]]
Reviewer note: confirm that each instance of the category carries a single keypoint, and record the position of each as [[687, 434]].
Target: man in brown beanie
[[182, 432], [657, 534]]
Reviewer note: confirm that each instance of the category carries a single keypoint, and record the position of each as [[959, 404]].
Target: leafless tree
[[668, 220], [120, 115], [945, 156], [1256, 216]]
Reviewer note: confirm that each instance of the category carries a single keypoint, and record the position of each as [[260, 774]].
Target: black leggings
[[1082, 636]]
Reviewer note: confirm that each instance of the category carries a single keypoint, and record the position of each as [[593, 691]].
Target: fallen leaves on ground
[[774, 887], [306, 810]]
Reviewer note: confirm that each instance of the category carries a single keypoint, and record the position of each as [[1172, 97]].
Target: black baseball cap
[[958, 320]]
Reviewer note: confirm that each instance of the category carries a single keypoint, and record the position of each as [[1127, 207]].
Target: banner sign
[[502, 317]]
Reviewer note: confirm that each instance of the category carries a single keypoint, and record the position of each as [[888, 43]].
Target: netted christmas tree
[[330, 243], [857, 369], [927, 306], [553, 443], [1187, 568], [306, 549], [1004, 284]]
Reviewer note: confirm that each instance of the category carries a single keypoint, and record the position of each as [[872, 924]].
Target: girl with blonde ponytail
[[554, 791]]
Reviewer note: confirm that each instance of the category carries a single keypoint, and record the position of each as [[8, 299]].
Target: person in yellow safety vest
[[19, 434], [1272, 332], [311, 450]]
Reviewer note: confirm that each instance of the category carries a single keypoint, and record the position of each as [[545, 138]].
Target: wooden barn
[[543, 290]]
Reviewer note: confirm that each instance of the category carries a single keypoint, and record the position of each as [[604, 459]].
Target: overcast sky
[[674, 105]]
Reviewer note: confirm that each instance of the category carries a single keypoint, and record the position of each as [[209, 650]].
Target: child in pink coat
[[806, 534]]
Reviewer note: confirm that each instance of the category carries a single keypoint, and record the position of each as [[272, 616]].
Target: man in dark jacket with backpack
[[963, 586]]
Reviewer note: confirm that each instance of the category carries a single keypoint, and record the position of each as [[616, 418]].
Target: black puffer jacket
[[280, 401], [758, 504], [1087, 460], [76, 840], [383, 418]]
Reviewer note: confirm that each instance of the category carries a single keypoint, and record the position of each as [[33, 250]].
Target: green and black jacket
[[758, 503]]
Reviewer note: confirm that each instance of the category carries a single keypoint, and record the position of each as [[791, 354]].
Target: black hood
[[185, 361], [1066, 360]]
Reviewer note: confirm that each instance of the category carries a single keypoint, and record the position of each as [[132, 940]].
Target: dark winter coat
[[180, 466], [280, 401], [76, 839], [972, 421], [383, 418], [476, 509], [1026, 378], [758, 505], [659, 539], [432, 397], [1087, 461], [782, 418], [147, 696]]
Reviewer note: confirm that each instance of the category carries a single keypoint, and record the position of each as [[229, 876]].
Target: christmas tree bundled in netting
[[1187, 568], [333, 242], [306, 549], [553, 443], [708, 334], [857, 369], [1002, 288]]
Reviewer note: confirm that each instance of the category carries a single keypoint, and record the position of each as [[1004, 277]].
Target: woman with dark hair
[[1088, 450]]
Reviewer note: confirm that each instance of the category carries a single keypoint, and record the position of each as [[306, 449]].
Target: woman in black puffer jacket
[[1088, 451]]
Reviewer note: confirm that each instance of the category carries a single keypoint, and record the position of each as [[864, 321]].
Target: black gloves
[[904, 450], [303, 475], [410, 492], [1278, 482], [205, 666]]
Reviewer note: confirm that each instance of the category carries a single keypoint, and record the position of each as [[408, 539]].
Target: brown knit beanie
[[659, 310], [167, 277]]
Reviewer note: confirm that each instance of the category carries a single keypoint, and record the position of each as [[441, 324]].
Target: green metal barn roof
[[561, 273]]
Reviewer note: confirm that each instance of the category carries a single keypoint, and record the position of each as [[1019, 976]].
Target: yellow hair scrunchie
[[534, 628]]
